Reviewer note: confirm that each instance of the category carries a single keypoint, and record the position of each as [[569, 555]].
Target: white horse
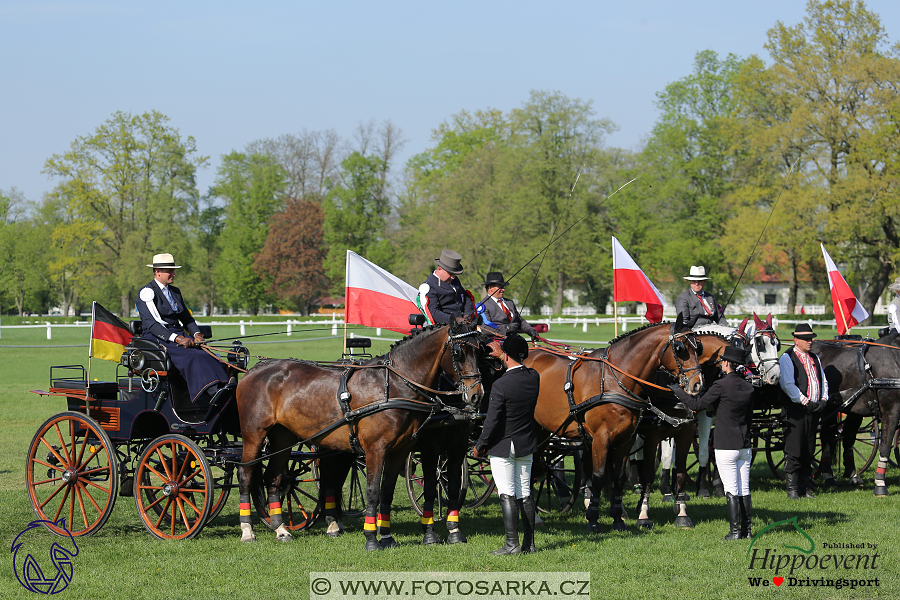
[[763, 369]]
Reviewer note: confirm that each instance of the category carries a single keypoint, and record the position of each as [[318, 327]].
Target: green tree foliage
[[356, 216], [293, 256], [251, 186], [23, 274], [134, 177]]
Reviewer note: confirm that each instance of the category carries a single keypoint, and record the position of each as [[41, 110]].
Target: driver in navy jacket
[[165, 317]]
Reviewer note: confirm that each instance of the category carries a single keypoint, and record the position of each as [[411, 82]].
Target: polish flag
[[630, 284], [376, 298], [847, 309]]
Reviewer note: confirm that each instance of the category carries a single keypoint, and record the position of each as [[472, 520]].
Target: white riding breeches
[[734, 470]]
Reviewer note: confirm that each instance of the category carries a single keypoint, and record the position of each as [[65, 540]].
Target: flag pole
[[615, 304], [87, 384], [843, 318], [346, 298]]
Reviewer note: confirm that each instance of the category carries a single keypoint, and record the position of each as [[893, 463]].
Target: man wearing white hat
[[165, 317], [695, 302], [893, 309]]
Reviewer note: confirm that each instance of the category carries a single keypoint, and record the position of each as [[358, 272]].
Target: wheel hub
[[69, 476], [170, 489]]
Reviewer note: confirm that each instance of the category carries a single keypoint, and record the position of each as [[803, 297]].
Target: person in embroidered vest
[[442, 295], [804, 393], [731, 399], [509, 437], [695, 302], [165, 317], [501, 311]]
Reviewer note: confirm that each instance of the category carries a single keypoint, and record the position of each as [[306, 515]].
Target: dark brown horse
[[861, 383], [677, 423], [595, 398], [379, 410]]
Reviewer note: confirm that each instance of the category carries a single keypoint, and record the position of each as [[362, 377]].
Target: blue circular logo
[[51, 578]]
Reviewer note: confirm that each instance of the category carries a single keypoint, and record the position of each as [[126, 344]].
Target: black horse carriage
[[138, 436]]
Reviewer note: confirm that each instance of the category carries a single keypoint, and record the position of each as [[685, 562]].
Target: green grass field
[[123, 561]]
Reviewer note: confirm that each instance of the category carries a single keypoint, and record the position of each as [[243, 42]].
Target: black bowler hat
[[494, 279], [804, 332], [515, 347], [735, 355]]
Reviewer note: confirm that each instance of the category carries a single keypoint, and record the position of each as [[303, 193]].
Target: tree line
[[750, 164]]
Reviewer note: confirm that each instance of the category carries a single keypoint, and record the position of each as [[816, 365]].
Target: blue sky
[[228, 73]]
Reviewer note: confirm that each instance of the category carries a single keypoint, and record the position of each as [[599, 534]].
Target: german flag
[[109, 334]]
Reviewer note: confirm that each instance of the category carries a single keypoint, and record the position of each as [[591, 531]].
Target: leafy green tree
[[251, 185], [22, 254], [134, 177], [356, 216]]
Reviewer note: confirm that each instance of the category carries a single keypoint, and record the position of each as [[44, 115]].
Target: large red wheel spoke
[[53, 451], [62, 444]]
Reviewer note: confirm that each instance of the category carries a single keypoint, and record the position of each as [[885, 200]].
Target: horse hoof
[[248, 540], [829, 482], [684, 522], [388, 542], [645, 523], [881, 491], [456, 537], [284, 538], [668, 498], [856, 480], [372, 545], [431, 539], [594, 528], [619, 526], [334, 534], [704, 493]]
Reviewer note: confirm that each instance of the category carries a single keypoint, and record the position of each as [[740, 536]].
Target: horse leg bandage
[[245, 509], [330, 506], [275, 511], [384, 523], [452, 520]]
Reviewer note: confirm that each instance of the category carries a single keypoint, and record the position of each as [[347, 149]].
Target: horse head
[[764, 351], [460, 356], [680, 356]]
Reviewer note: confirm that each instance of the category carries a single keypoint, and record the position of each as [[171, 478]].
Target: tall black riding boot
[[746, 516], [733, 504], [791, 486], [526, 506], [511, 524], [702, 491]]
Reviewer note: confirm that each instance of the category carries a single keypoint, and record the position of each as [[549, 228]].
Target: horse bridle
[[678, 347], [457, 357], [761, 364]]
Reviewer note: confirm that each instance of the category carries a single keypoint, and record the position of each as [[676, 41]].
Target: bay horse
[[676, 422], [862, 382], [377, 408], [595, 398]]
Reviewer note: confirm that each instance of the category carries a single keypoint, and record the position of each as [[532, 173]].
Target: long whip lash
[[752, 252]]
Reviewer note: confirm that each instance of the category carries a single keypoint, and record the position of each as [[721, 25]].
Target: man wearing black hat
[[731, 399], [442, 296], [165, 317], [893, 309], [501, 311], [804, 393], [509, 437]]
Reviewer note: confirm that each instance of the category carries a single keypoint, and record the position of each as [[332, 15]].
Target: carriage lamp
[[239, 356], [135, 360]]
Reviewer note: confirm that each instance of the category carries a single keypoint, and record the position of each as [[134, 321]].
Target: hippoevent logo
[[827, 565], [39, 576]]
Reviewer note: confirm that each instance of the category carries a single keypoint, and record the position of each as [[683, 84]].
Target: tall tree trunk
[[879, 280], [126, 305], [792, 283], [560, 283]]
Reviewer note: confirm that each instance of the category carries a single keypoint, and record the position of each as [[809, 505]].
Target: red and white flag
[[630, 284], [847, 309], [377, 298]]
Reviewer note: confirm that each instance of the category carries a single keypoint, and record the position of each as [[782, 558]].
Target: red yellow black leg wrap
[[245, 509]]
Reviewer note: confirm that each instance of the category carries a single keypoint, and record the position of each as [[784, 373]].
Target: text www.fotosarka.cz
[[447, 585]]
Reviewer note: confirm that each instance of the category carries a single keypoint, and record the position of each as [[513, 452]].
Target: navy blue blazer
[[157, 316], [447, 299]]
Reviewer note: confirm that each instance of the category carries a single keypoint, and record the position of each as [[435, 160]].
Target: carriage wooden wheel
[[223, 471], [353, 495], [415, 487], [72, 474], [479, 481], [865, 449], [298, 488], [173, 488], [557, 476]]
